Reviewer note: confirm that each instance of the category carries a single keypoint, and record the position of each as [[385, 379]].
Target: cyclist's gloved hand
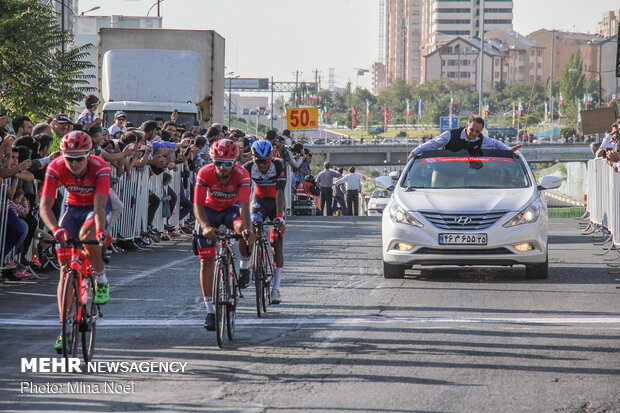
[[60, 234], [209, 233], [279, 222], [103, 238], [249, 237]]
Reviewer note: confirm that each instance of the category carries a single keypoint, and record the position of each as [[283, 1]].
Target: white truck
[[150, 73]]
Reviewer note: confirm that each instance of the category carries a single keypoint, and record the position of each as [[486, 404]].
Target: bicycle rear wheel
[[219, 291], [267, 274], [70, 311], [258, 277], [231, 314], [90, 314]]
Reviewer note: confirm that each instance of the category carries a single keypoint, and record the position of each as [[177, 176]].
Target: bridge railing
[[603, 203]]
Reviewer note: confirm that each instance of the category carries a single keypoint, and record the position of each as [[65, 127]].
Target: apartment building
[[608, 26], [563, 45], [458, 60], [524, 58]]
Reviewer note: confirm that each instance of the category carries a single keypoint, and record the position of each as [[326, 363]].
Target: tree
[[36, 76], [572, 82]]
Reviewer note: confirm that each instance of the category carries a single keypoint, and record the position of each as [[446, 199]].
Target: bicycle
[[262, 264], [226, 291], [79, 315]]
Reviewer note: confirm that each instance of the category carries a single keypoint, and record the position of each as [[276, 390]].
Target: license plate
[[462, 239]]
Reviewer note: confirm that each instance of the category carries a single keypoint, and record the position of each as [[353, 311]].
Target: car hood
[[465, 200]]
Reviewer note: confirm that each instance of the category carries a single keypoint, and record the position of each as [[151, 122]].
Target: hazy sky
[[277, 37]]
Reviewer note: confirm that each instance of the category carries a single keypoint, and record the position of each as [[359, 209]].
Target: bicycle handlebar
[[82, 242]]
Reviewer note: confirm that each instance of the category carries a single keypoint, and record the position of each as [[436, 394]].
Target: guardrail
[[603, 203]]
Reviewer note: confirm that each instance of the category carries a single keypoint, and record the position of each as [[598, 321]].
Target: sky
[[279, 37]]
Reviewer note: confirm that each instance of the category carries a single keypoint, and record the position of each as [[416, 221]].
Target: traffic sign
[[302, 118], [447, 123]]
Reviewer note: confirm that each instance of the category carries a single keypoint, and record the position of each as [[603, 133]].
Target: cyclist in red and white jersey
[[221, 197], [86, 179]]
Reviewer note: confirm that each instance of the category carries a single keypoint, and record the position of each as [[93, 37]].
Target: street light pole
[[551, 79], [481, 24]]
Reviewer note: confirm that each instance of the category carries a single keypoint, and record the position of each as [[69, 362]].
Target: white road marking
[[284, 322]]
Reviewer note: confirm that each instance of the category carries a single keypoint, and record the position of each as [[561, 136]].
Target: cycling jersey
[[266, 185], [81, 191], [210, 192]]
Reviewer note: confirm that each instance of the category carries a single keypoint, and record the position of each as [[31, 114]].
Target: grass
[[566, 212]]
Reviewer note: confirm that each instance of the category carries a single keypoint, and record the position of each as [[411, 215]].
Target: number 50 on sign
[[302, 118]]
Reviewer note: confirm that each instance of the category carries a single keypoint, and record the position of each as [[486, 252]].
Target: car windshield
[[466, 172], [381, 193]]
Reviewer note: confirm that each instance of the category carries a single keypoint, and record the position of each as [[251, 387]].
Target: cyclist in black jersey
[[269, 177]]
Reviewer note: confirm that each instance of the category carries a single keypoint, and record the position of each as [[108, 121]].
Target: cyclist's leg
[[206, 253], [93, 253], [276, 239], [233, 221]]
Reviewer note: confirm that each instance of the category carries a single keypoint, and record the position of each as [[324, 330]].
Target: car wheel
[[393, 271], [538, 271]]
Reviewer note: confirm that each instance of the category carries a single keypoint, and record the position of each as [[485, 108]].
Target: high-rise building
[[608, 26], [401, 30]]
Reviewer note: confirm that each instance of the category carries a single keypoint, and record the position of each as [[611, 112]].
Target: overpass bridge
[[395, 154]]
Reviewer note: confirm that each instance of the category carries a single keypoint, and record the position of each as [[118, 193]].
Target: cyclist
[[86, 179], [221, 196], [269, 176]]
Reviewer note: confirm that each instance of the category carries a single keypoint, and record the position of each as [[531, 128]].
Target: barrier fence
[[4, 211], [604, 197]]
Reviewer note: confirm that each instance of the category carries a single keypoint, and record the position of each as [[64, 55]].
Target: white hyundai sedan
[[454, 209]]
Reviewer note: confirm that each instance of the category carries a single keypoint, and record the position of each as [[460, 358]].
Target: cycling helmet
[[224, 149], [261, 149], [309, 178], [76, 141]]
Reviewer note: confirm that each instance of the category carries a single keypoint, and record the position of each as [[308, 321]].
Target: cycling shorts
[[76, 217], [215, 218], [267, 208]]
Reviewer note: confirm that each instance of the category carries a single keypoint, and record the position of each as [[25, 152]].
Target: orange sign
[[302, 118]]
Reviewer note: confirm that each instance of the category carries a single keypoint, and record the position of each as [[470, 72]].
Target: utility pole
[[551, 79], [481, 58], [272, 103], [296, 86], [316, 85]]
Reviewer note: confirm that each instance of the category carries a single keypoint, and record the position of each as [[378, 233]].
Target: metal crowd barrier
[[604, 197], [4, 211]]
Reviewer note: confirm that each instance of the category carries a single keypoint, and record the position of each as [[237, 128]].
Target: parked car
[[377, 201], [454, 209]]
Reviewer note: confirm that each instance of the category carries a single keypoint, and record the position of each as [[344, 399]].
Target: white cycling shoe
[[275, 296]]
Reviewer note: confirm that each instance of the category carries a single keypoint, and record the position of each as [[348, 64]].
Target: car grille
[[476, 251], [463, 221]]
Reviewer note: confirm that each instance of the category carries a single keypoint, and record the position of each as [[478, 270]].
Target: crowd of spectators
[[608, 148]]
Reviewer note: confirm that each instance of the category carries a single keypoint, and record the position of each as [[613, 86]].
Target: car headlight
[[399, 215], [527, 216], [372, 205]]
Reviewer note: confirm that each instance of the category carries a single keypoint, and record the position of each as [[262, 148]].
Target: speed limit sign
[[302, 118]]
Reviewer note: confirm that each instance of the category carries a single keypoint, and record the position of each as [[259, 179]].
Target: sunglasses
[[262, 161], [224, 164], [72, 159]]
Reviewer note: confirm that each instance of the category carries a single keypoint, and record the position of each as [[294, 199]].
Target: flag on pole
[[408, 109], [578, 111], [486, 109], [367, 108], [513, 114], [420, 108], [353, 117], [386, 116], [285, 109], [613, 97], [451, 100], [520, 108], [546, 110], [561, 99], [589, 99]]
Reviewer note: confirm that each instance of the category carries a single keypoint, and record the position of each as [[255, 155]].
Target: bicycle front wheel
[[70, 311], [219, 300], [258, 277], [87, 324], [267, 275], [231, 314]]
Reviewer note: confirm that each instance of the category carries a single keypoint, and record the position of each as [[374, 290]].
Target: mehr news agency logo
[[73, 365]]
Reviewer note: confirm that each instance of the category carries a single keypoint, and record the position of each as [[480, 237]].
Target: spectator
[[87, 119], [339, 192], [22, 126], [325, 181], [353, 186], [60, 127], [120, 123]]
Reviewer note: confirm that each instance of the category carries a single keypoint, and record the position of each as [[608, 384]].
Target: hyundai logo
[[462, 220]]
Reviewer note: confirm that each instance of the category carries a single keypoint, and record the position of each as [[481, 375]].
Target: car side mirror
[[384, 182], [550, 182], [394, 175]]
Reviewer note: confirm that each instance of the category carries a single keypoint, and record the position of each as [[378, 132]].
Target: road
[[344, 339]]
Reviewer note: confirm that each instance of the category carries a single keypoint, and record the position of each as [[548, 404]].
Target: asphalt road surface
[[343, 340]]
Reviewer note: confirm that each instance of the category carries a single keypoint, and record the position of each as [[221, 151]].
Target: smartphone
[[131, 145]]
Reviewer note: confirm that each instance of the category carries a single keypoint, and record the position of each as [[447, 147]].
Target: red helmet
[[224, 149], [76, 141]]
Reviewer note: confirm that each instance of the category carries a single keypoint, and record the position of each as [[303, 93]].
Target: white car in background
[[455, 209], [377, 202]]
